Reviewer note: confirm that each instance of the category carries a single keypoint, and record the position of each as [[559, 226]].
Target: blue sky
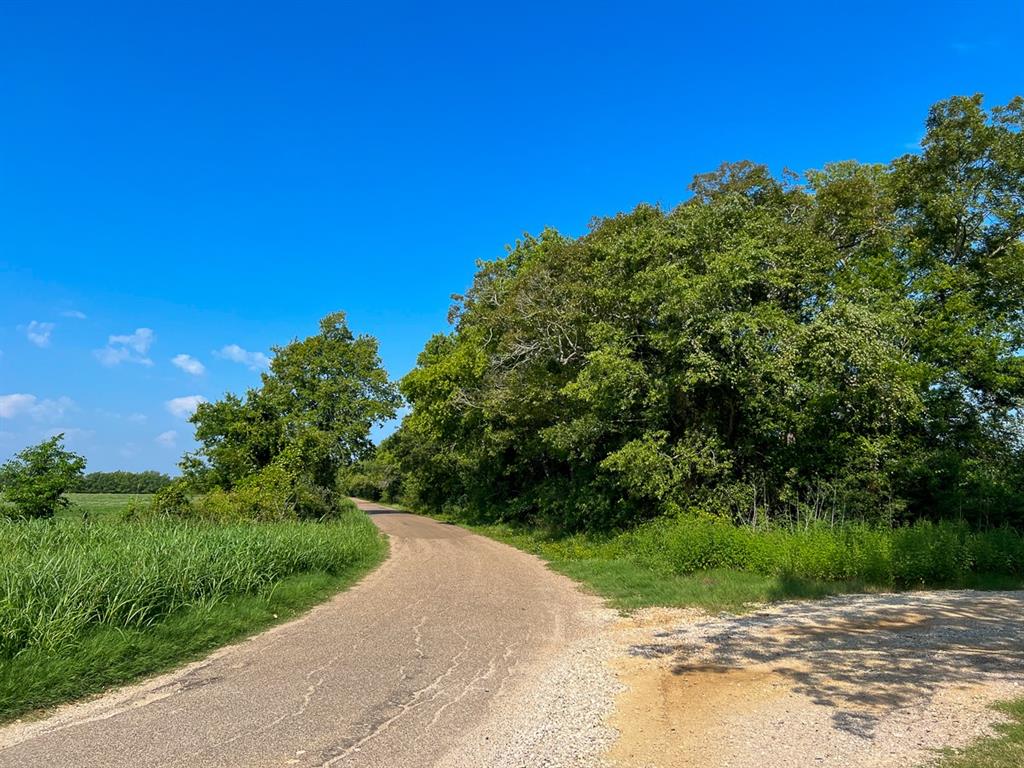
[[222, 175]]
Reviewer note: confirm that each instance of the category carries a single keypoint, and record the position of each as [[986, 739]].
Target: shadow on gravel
[[862, 656]]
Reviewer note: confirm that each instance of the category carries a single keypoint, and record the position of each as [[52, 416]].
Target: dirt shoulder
[[863, 680]]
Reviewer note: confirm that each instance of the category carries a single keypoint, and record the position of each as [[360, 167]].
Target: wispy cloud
[[189, 364], [39, 333], [236, 354], [128, 348], [21, 404], [183, 407], [168, 439], [75, 314]]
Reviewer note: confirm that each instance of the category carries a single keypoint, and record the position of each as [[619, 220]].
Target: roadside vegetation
[[97, 589], [86, 606], [1006, 750], [814, 377], [718, 566], [786, 386]]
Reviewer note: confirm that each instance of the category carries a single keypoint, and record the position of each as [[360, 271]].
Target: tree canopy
[[847, 343], [310, 418]]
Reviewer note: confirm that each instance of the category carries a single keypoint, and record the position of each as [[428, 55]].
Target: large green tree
[[310, 418], [843, 344]]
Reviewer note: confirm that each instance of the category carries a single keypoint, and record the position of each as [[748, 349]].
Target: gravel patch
[[864, 680]]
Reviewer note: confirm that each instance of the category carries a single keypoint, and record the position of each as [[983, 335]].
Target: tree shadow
[[863, 656]]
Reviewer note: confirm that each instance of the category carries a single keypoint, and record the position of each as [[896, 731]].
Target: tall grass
[[60, 578], [87, 605], [921, 554], [715, 564]]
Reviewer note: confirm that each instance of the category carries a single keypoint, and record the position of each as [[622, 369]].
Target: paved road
[[396, 672]]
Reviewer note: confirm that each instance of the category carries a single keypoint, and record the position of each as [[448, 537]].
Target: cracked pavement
[[404, 669]]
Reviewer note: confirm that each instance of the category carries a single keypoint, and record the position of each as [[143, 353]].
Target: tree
[[329, 390], [37, 478], [845, 344], [310, 418]]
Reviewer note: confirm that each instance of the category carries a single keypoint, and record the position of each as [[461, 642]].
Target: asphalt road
[[398, 671]]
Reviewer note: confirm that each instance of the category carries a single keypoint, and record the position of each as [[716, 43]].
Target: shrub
[[36, 480], [172, 501]]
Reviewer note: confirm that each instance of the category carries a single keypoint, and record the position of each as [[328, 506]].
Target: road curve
[[399, 671]]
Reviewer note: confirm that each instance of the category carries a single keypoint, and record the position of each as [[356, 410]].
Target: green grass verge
[[660, 564], [629, 585], [86, 607], [1006, 750]]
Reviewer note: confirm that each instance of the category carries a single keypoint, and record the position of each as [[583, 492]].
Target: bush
[[273, 494], [35, 481], [172, 501]]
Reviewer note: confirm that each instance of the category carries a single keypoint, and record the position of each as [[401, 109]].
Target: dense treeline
[[842, 345], [121, 482]]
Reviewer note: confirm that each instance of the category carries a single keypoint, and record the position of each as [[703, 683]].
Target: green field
[[97, 506], [84, 606]]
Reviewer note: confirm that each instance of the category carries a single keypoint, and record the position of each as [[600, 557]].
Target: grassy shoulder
[[717, 566], [1005, 750], [628, 585], [84, 607]]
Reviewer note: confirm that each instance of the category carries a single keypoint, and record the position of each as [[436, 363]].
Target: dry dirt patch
[[866, 680]]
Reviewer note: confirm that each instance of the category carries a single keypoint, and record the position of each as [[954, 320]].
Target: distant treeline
[[121, 482]]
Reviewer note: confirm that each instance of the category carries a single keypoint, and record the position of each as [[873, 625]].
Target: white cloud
[[130, 348], [51, 410], [183, 407], [14, 405], [234, 353], [75, 314], [136, 418], [167, 439], [39, 333], [189, 364]]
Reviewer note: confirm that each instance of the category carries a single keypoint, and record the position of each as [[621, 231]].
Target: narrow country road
[[415, 666]]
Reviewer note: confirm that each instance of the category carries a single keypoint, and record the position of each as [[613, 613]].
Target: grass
[[1005, 750], [102, 506], [718, 566], [628, 585], [84, 606]]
